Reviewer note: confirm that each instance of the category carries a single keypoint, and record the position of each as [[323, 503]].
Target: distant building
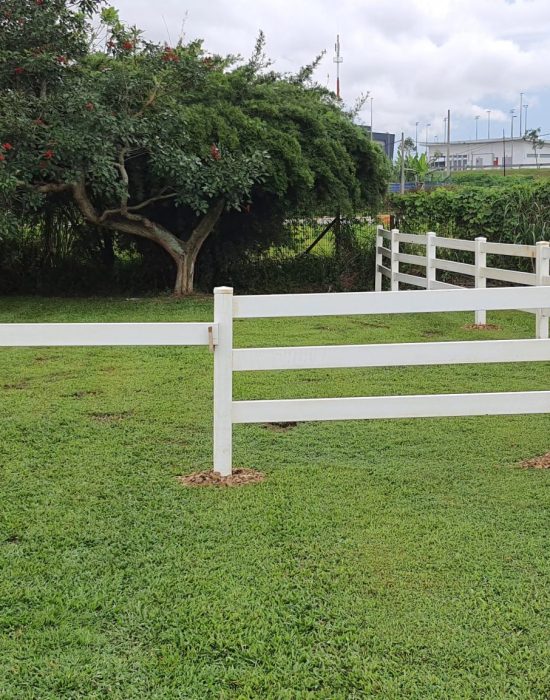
[[385, 140], [487, 153]]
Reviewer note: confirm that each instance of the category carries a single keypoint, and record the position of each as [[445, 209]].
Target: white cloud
[[416, 57]]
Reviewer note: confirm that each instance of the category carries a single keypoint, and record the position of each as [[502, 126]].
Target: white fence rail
[[228, 360], [95, 334], [219, 337], [388, 248]]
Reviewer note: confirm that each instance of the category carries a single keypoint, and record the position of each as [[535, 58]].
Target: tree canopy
[[159, 141]]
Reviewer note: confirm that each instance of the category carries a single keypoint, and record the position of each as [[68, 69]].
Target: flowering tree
[[134, 134]]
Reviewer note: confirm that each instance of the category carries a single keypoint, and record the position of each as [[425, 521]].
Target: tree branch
[[205, 226], [51, 187], [136, 207], [125, 179]]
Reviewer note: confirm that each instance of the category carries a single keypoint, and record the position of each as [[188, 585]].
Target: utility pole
[[402, 185], [477, 121], [525, 107], [371, 99], [488, 124], [416, 137], [448, 159], [338, 60]]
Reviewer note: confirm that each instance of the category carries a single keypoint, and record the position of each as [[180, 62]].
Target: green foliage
[[146, 138], [383, 559], [417, 167], [533, 136], [513, 213]]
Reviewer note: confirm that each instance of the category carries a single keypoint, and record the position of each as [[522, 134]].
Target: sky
[[415, 58]]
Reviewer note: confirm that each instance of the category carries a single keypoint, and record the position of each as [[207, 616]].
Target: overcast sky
[[417, 58]]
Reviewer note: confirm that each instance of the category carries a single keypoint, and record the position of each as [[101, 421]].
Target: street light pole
[[514, 116], [525, 107], [427, 127], [520, 113], [448, 158], [416, 137], [477, 120], [488, 123]]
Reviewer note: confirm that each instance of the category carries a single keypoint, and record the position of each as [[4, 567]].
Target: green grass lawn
[[385, 559]]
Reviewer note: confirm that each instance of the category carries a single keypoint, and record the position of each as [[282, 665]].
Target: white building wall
[[465, 155]]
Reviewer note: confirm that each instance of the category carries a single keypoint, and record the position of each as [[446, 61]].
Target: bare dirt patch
[[280, 427], [540, 462], [482, 327], [81, 394], [110, 417], [17, 385], [240, 477]]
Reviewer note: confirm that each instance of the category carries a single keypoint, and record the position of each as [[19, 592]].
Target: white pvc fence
[[480, 271], [228, 360], [218, 336]]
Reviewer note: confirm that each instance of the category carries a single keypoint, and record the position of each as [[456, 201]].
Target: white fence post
[[223, 381], [394, 260], [542, 272], [480, 279], [431, 253], [378, 274]]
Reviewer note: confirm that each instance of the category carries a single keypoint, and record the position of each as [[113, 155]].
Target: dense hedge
[[29, 266], [510, 213]]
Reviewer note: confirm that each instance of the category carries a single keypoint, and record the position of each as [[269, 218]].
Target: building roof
[[474, 142]]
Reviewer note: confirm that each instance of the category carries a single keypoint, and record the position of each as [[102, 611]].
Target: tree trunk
[[185, 270], [185, 261]]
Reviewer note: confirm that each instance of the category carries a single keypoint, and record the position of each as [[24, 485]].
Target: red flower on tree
[[19, 70], [215, 152], [48, 155], [128, 45], [7, 146], [170, 55], [2, 157], [62, 59], [39, 2]]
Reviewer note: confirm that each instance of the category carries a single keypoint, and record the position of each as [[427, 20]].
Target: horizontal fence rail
[[368, 303], [389, 257], [96, 334], [431, 406], [390, 355]]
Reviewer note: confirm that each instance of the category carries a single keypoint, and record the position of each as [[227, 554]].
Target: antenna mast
[[338, 60]]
